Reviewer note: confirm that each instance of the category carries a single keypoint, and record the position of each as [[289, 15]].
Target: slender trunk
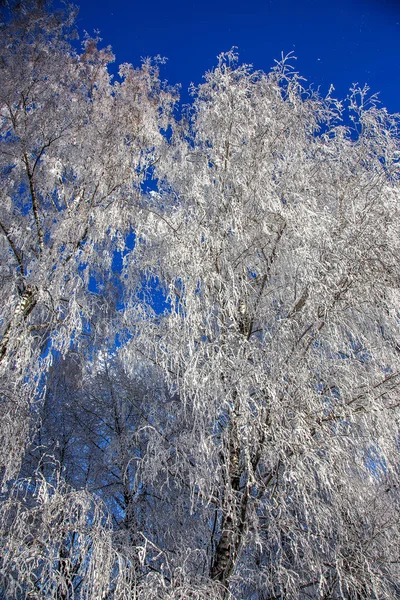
[[23, 309], [35, 204], [233, 524]]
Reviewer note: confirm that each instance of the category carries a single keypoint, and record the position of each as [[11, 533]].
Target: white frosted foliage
[[199, 383]]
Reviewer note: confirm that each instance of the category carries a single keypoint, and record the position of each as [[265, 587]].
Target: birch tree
[[74, 151], [277, 245]]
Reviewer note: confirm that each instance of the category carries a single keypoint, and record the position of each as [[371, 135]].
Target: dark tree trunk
[[234, 507]]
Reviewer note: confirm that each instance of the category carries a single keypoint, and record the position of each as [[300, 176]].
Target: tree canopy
[[199, 353]]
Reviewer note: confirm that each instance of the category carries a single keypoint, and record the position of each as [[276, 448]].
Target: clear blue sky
[[338, 42]]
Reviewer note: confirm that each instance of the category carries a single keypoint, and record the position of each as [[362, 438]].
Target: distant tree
[[74, 151], [243, 442]]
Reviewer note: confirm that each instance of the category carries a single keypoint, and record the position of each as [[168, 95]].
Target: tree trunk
[[234, 516]]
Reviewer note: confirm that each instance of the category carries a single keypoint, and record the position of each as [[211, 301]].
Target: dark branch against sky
[[339, 42]]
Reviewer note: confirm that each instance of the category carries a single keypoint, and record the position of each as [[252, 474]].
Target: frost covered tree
[[277, 246], [243, 441], [74, 151]]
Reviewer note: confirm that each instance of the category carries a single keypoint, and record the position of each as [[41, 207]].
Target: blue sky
[[338, 42]]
